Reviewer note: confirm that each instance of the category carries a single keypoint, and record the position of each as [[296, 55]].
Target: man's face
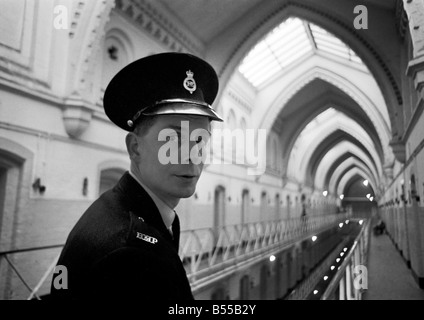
[[170, 181]]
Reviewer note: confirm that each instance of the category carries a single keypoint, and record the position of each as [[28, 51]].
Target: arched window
[[219, 207], [264, 204], [16, 165], [231, 144], [243, 124], [270, 152], [245, 203], [231, 119], [109, 178], [10, 172], [244, 287], [277, 207], [414, 196], [117, 53], [264, 282], [288, 203], [218, 294], [275, 158]]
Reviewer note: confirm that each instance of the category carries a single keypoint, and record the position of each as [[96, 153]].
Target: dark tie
[[176, 231]]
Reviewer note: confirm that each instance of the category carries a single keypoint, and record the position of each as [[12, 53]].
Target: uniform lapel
[[139, 202]]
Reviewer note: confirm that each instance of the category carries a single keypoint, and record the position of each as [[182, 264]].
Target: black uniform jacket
[[120, 248]]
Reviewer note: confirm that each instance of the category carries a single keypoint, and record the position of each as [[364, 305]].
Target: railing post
[[357, 255], [348, 283], [342, 290]]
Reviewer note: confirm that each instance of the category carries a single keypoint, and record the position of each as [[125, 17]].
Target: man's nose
[[191, 153], [195, 156]]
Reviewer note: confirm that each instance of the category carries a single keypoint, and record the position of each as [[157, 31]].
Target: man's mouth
[[187, 176]]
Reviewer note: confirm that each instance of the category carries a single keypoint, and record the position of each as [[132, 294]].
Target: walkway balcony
[[210, 255]]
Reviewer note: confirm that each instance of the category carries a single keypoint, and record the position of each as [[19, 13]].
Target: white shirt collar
[[167, 213]]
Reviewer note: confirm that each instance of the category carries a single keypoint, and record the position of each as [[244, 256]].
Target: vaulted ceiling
[[209, 18], [331, 131]]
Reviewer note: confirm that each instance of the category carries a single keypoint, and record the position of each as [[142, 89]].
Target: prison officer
[[126, 243]]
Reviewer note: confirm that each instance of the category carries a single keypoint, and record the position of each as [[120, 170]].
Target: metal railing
[[343, 285], [304, 289], [209, 251], [33, 291]]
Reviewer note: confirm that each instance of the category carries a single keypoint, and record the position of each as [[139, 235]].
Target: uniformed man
[[126, 244]]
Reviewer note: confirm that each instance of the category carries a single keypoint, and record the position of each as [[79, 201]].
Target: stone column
[[415, 12], [88, 35]]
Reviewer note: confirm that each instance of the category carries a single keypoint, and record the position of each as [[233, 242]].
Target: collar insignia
[[146, 238]]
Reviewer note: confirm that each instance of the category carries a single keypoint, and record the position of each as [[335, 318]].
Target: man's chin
[[185, 192]]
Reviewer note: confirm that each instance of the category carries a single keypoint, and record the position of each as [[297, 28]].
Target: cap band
[[210, 112]]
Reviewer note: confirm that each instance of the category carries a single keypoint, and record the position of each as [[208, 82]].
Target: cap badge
[[189, 83]]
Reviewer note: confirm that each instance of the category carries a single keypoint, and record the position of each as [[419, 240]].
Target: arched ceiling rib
[[336, 137], [270, 15], [345, 167], [312, 100], [305, 95], [349, 176], [335, 153], [355, 188], [367, 130], [337, 163], [353, 167], [317, 142]]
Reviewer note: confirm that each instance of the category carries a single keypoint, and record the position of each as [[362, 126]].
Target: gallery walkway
[[388, 275]]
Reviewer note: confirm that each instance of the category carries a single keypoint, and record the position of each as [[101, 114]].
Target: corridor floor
[[388, 275]]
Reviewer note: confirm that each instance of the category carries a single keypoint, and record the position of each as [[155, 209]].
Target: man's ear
[[132, 145]]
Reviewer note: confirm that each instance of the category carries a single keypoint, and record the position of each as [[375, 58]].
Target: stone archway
[[270, 15], [15, 182]]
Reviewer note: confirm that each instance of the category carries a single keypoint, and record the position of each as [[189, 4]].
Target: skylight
[[288, 42], [327, 42]]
